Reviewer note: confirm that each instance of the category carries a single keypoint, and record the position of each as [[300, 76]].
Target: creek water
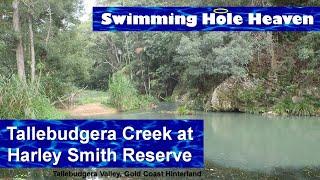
[[252, 142]]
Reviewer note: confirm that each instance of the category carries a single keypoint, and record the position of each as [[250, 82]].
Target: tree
[[19, 47], [31, 38], [212, 57]]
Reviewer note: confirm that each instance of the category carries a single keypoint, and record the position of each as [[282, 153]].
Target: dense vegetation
[[20, 100], [37, 67], [53, 54]]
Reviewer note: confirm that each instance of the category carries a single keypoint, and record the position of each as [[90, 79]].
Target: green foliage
[[169, 99], [283, 107], [160, 49], [309, 51], [251, 96], [301, 108], [214, 53], [67, 55], [110, 53], [2, 45], [124, 96], [54, 88], [184, 110], [257, 101], [206, 58], [92, 96], [22, 101], [253, 101], [60, 59], [252, 109], [304, 109]]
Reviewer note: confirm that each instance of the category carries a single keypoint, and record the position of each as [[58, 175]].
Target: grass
[[287, 107], [256, 102], [184, 110], [92, 96], [19, 100]]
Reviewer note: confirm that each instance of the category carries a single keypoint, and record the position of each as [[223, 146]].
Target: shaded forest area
[[47, 55]]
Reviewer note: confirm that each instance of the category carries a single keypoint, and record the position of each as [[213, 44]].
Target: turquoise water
[[253, 142]]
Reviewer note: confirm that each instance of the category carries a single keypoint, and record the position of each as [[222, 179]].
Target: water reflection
[[255, 142]]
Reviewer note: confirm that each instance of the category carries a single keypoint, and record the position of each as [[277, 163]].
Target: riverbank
[[251, 95], [89, 110], [90, 103], [97, 103]]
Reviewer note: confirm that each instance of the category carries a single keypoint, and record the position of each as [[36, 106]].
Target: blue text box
[[292, 19], [24, 140]]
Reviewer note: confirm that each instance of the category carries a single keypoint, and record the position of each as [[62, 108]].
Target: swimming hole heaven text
[[206, 19]]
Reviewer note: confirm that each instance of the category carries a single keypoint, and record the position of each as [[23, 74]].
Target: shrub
[[304, 109], [251, 96], [183, 110], [283, 107], [54, 88], [19, 100], [124, 96], [253, 101], [287, 107]]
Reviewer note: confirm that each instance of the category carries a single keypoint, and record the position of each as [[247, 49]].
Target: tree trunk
[[32, 53], [50, 23], [19, 48], [274, 52]]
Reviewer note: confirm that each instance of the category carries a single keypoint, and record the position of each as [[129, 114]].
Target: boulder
[[297, 99], [221, 102], [224, 97]]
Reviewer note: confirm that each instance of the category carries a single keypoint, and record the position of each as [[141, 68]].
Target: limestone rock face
[[224, 96], [220, 101]]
